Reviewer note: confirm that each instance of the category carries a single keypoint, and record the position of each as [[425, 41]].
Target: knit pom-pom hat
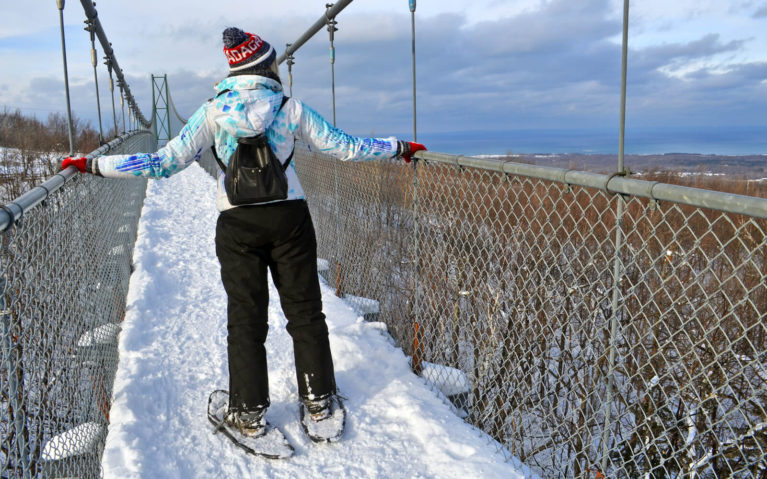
[[246, 50]]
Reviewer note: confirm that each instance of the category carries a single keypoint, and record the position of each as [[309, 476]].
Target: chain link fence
[[589, 331], [64, 271]]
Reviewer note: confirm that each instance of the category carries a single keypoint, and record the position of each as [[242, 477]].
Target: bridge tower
[[161, 104]]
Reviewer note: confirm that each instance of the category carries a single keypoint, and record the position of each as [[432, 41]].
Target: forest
[[31, 149]]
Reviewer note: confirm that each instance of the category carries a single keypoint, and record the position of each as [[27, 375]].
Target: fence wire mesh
[[64, 272], [502, 289]]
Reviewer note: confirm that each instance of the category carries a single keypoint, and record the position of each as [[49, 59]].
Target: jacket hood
[[245, 105]]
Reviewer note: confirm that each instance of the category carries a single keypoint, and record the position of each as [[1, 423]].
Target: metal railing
[[523, 324], [65, 263]]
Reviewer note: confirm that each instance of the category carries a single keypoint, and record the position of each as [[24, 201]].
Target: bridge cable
[[331, 31], [412, 31], [291, 60], [173, 107], [60, 4], [92, 30], [112, 91], [122, 104]]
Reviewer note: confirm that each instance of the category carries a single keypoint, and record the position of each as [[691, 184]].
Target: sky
[[484, 68]]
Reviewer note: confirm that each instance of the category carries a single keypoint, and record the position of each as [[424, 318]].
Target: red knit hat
[[245, 50]]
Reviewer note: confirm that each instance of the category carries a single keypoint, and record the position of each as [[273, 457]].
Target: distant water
[[640, 141]]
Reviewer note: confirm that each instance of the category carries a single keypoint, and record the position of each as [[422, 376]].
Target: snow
[[173, 355], [449, 381], [362, 305], [105, 334], [77, 441]]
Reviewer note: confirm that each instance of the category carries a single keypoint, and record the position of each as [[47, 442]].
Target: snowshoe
[[323, 421], [270, 443]]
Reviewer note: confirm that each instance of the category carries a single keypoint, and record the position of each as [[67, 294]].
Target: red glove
[[407, 148], [78, 163]]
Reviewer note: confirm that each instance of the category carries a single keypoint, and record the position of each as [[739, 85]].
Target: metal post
[[154, 102], [417, 357], [161, 106], [417, 329], [60, 4], [617, 265], [167, 106]]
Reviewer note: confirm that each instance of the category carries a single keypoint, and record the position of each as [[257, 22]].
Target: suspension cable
[[624, 63], [331, 31], [122, 105], [412, 30], [90, 29], [291, 60], [112, 91], [173, 106], [60, 4], [331, 27]]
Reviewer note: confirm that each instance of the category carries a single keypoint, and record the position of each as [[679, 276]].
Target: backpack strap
[[218, 160], [290, 158], [213, 148], [221, 164]]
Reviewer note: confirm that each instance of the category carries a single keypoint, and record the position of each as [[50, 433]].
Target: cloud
[[553, 68], [677, 54], [464, 81], [761, 12], [553, 64]]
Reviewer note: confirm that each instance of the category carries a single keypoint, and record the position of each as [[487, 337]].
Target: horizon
[[730, 142]]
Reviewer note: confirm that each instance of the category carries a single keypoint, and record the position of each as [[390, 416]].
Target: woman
[[251, 239]]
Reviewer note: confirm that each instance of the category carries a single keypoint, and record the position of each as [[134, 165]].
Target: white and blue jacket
[[251, 106]]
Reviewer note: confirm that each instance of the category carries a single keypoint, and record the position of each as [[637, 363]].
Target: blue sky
[[492, 67]]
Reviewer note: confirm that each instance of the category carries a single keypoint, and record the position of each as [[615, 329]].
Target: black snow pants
[[280, 237]]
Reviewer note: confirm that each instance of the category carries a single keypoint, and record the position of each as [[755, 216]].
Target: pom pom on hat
[[246, 50]]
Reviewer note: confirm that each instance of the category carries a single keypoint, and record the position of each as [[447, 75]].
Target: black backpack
[[254, 174]]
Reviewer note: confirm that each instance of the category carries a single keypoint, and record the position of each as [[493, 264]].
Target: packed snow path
[[173, 354]]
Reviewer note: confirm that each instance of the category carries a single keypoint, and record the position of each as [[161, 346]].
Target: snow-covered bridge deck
[[173, 354]]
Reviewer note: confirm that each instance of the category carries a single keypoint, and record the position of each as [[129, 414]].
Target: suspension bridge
[[531, 321]]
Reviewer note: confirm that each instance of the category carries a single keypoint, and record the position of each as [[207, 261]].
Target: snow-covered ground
[[173, 354]]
